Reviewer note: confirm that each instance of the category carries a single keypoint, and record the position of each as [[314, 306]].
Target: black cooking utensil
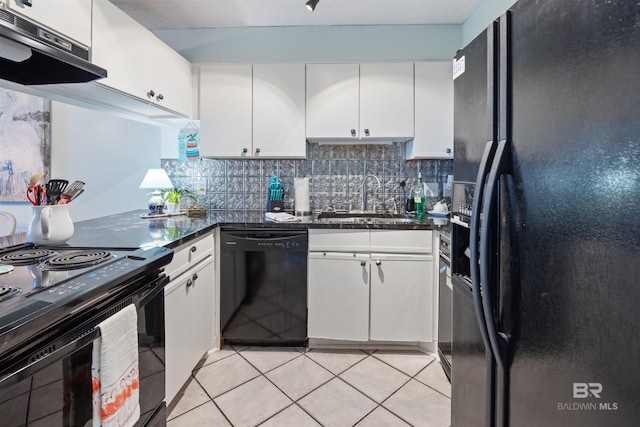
[[54, 189]]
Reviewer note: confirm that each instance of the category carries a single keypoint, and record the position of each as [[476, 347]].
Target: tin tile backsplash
[[336, 175]]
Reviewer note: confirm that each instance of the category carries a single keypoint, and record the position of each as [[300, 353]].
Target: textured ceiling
[[187, 14]]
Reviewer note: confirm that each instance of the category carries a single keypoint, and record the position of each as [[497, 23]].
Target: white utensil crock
[[50, 225]]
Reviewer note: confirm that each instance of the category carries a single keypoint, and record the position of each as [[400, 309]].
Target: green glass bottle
[[418, 198]]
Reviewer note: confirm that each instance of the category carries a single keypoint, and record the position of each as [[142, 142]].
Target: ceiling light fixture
[[311, 4]]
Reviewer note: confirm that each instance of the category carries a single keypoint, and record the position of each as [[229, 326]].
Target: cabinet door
[[70, 18], [122, 46], [433, 112], [401, 297], [338, 296], [386, 101], [139, 64], [278, 110], [172, 82], [332, 101], [189, 323], [225, 110]]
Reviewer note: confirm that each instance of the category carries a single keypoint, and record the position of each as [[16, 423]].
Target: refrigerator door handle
[[485, 164], [500, 166]]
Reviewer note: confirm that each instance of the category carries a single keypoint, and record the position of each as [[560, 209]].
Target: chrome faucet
[[364, 191]]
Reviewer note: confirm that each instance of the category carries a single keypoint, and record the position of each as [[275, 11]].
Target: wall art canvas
[[189, 143], [25, 149]]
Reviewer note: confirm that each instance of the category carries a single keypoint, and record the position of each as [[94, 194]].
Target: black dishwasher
[[263, 286]]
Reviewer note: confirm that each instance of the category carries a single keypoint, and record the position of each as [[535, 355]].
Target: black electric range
[[45, 289]]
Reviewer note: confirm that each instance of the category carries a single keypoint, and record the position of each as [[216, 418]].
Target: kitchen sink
[[363, 218]]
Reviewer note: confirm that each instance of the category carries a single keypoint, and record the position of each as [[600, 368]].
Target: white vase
[[172, 208]]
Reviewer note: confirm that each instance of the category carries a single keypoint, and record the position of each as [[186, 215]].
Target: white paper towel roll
[[301, 188]]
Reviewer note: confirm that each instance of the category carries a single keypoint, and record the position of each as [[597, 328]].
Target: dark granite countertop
[[128, 230], [256, 220]]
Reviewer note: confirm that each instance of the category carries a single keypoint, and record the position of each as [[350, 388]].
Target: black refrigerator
[[545, 235]]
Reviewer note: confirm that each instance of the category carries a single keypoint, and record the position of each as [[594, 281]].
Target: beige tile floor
[[270, 386]]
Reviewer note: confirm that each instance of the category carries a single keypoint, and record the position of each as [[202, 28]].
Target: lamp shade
[[156, 179]]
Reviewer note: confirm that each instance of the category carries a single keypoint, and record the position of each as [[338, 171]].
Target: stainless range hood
[[33, 55]]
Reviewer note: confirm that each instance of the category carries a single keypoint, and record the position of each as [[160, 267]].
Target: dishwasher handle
[[264, 240]]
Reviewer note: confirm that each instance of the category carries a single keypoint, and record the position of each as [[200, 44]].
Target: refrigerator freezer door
[[472, 125]]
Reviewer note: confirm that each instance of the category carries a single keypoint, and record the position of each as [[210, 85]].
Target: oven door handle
[[26, 371], [86, 333]]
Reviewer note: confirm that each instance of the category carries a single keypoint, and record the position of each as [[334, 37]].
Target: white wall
[[482, 17], [110, 154], [316, 43]]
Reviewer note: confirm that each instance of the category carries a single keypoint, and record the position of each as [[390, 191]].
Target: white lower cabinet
[[371, 296], [189, 323], [338, 296], [189, 309], [401, 297]]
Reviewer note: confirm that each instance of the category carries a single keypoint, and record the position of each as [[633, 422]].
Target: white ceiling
[[192, 14]]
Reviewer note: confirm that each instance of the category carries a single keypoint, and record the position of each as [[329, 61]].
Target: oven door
[[56, 390], [445, 303]]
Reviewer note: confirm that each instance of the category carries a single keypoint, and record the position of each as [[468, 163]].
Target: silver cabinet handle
[[363, 263], [257, 151], [353, 132], [195, 276], [160, 97], [378, 262], [193, 249], [151, 94], [366, 132], [189, 283]]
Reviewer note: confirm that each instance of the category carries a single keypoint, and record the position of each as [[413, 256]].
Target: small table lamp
[[156, 179]]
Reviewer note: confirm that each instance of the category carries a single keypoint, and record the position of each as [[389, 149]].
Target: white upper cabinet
[[172, 82], [252, 111], [365, 102], [138, 63], [278, 110], [225, 110], [70, 18], [333, 101], [386, 101], [433, 112]]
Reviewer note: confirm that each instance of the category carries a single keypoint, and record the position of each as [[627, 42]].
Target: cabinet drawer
[[189, 254], [402, 241], [339, 240]]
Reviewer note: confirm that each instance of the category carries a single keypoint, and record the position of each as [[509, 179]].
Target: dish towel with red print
[[114, 371]]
